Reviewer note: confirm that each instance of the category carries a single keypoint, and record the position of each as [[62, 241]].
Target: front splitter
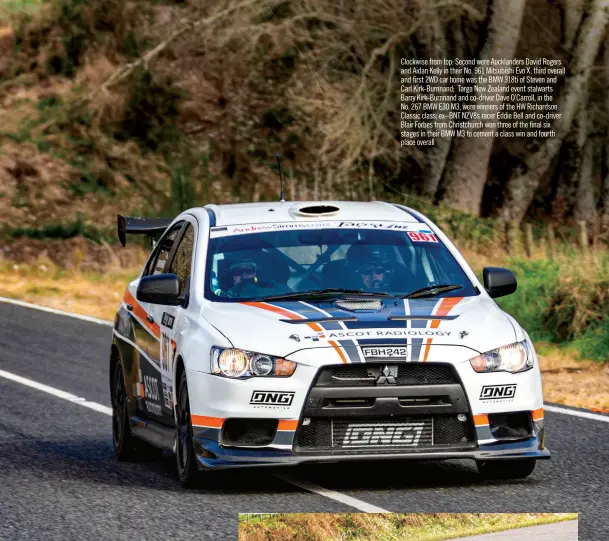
[[217, 457]]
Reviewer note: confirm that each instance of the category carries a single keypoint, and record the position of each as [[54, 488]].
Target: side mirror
[[159, 289], [499, 282]]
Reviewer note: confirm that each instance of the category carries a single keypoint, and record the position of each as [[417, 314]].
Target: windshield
[[252, 262]]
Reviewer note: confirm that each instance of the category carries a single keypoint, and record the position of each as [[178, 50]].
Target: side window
[[156, 265], [182, 260]]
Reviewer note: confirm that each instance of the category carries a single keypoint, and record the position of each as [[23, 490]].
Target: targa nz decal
[[272, 399], [498, 392]]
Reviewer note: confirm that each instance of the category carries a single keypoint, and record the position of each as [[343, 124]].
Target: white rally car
[[284, 333]]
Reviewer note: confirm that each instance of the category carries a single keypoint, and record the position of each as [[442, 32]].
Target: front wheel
[[506, 469], [186, 459]]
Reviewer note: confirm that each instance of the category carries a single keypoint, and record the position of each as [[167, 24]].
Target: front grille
[[366, 374], [384, 434]]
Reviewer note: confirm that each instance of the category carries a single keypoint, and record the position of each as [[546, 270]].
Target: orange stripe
[[446, 306], [142, 390], [141, 314], [281, 311], [427, 349], [210, 422], [537, 414], [287, 425], [338, 350], [480, 420]]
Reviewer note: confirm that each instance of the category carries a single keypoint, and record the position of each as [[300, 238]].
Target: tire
[[186, 459], [506, 469], [126, 446]]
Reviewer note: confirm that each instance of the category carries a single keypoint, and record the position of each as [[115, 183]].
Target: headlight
[[237, 363], [516, 357]]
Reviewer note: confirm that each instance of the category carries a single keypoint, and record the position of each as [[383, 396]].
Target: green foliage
[[556, 304], [151, 112], [594, 343], [83, 22], [537, 283], [62, 231], [182, 188]]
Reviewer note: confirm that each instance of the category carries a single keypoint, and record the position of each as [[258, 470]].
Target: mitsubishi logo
[[388, 375]]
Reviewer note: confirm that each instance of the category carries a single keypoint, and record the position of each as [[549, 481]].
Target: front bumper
[[228, 399]]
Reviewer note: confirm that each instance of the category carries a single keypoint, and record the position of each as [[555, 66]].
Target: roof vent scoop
[[316, 211], [354, 305]]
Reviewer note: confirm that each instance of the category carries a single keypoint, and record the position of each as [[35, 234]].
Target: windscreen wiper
[[430, 291], [329, 292]]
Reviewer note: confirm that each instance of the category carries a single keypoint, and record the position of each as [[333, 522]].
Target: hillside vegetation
[[148, 107]]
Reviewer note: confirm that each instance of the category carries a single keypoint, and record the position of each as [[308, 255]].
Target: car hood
[[281, 328]]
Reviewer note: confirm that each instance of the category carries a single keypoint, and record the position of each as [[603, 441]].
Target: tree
[[605, 193], [467, 169], [585, 200], [524, 181], [432, 35]]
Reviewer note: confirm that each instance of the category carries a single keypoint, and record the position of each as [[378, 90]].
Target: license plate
[[404, 434], [386, 352]]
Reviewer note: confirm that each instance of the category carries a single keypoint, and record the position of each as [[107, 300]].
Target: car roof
[[289, 211]]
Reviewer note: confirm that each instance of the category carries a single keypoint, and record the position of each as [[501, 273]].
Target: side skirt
[[154, 433]]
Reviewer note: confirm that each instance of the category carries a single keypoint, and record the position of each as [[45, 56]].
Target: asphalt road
[[559, 531], [59, 478]]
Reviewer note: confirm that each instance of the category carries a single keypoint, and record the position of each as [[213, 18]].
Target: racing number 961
[[422, 237]]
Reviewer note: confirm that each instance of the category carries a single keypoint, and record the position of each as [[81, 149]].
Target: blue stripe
[[351, 350], [421, 307], [331, 325], [416, 348]]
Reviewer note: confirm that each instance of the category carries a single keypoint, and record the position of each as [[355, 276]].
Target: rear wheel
[[186, 459], [506, 469]]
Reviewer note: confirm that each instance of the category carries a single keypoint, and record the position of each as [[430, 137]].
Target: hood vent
[[316, 211], [354, 305]]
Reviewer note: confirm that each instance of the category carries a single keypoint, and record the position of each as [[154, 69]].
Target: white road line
[[58, 312], [343, 498], [577, 413], [56, 392], [332, 495]]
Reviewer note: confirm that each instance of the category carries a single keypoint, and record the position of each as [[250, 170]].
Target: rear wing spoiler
[[140, 226]]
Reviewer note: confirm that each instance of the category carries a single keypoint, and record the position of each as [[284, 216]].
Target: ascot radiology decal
[[376, 333], [241, 229]]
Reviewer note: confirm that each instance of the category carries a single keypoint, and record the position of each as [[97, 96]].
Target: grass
[[561, 301], [390, 527], [82, 292]]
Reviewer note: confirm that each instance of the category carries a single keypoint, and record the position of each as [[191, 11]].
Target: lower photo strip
[[408, 526]]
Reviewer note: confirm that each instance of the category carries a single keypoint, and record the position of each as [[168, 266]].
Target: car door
[[171, 319], [147, 333]]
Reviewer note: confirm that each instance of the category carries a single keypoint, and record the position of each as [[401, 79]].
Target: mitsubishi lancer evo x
[[286, 333]]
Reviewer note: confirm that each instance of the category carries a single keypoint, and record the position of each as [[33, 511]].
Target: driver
[[244, 275], [371, 267]]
